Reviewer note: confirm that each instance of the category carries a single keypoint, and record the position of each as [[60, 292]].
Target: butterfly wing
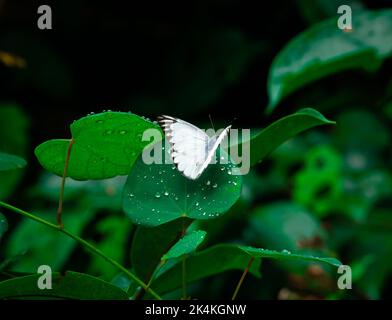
[[189, 145], [214, 143]]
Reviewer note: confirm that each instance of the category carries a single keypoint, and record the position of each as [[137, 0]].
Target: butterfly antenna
[[212, 124]]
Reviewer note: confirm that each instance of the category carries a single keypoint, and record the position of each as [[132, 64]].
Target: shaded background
[[190, 60]]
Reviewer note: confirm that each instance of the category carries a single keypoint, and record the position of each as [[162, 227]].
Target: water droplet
[[188, 195], [122, 132], [153, 209], [235, 183], [215, 185], [166, 193], [157, 195], [208, 182], [108, 132], [286, 251], [131, 195], [222, 169], [197, 204]]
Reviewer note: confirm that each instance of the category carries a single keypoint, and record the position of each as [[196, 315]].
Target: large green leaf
[[211, 261], [158, 193], [267, 140], [286, 255], [150, 244], [104, 145], [186, 245], [324, 49], [72, 285], [10, 162], [14, 140], [3, 225]]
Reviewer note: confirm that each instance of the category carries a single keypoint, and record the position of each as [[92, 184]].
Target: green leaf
[[3, 225], [14, 140], [283, 225], [33, 238], [150, 244], [10, 162], [267, 140], [324, 49], [114, 231], [72, 285], [158, 193], [101, 194], [105, 145], [286, 255], [186, 245], [212, 261]]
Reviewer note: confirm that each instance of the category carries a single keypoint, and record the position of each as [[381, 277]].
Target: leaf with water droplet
[[189, 194], [105, 145], [287, 255]]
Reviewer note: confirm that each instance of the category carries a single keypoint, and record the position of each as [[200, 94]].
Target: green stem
[[83, 243], [61, 197], [242, 278], [184, 295]]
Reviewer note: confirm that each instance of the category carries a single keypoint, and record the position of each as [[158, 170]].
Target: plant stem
[[242, 278], [83, 243], [61, 197], [184, 295]]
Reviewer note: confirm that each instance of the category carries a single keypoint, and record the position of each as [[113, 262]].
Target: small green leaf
[[3, 225], [158, 193], [113, 232], [267, 140], [286, 255], [10, 162], [212, 261], [150, 244], [186, 245], [105, 145], [72, 285], [324, 49]]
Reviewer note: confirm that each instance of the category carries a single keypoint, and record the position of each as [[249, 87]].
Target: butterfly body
[[192, 150]]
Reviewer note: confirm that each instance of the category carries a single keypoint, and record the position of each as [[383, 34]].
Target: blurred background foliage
[[328, 190]]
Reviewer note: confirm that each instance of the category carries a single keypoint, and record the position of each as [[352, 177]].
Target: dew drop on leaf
[[157, 195]]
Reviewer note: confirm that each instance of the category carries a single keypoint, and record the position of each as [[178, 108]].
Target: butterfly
[[192, 150]]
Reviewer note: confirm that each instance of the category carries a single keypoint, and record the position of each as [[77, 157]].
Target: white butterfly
[[191, 148]]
